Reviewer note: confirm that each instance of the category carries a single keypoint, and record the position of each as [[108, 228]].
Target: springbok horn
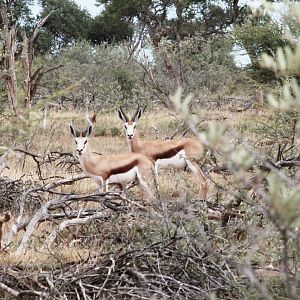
[[77, 133], [136, 113], [123, 113]]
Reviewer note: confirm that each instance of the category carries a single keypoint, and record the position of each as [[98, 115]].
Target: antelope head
[[130, 124], [81, 138]]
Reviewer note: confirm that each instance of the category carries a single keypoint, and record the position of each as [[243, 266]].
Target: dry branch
[[22, 197], [160, 270], [9, 290], [77, 221], [62, 159], [43, 212], [3, 158]]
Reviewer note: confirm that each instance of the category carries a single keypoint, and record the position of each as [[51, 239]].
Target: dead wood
[[3, 159], [161, 270], [62, 202], [29, 195], [79, 220], [60, 159]]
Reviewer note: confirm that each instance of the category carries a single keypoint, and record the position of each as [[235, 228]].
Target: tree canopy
[[68, 23], [109, 28], [176, 19]]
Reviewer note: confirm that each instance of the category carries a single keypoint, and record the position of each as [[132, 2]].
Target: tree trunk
[[27, 69], [29, 76], [9, 38]]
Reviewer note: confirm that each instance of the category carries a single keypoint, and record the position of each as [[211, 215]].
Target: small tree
[[9, 49], [31, 79], [68, 24], [257, 36]]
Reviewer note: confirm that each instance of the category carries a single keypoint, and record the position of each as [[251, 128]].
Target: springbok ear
[[88, 131], [122, 115], [72, 130], [138, 113]]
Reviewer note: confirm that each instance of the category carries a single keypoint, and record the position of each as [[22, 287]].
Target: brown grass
[[175, 185]]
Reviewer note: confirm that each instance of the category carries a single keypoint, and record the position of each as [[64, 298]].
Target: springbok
[[112, 169], [176, 153]]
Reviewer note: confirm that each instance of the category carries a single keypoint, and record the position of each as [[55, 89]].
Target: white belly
[[124, 178], [178, 161]]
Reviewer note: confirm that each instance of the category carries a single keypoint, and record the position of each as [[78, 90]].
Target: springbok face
[[130, 124], [129, 129], [81, 138]]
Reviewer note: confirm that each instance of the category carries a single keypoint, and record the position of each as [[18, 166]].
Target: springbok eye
[[85, 141], [75, 142]]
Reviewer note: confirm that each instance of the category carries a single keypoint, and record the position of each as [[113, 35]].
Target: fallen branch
[[3, 159], [19, 224], [78, 221], [172, 269], [66, 181], [43, 212], [9, 290]]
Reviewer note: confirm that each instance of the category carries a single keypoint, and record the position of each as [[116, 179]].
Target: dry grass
[[52, 134], [177, 212]]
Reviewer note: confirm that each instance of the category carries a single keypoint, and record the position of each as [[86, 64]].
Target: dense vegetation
[[178, 59]]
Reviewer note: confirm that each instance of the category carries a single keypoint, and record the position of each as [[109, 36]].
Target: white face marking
[[129, 129], [81, 143]]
